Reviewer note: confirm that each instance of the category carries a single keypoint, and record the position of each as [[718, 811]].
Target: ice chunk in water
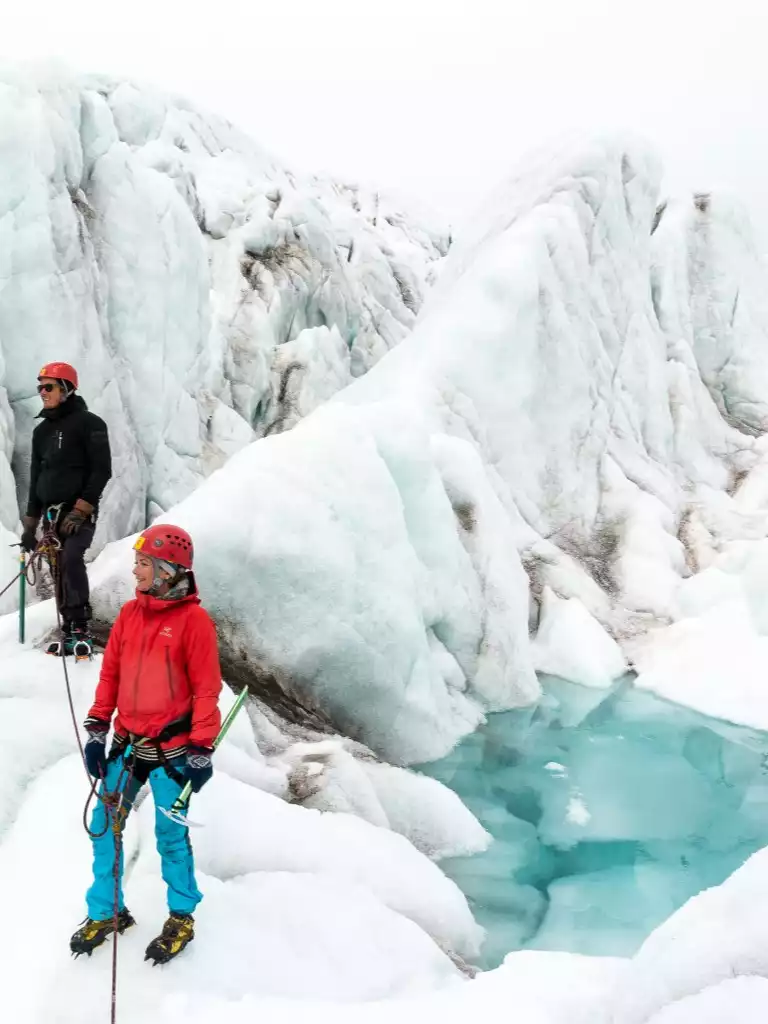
[[606, 908], [623, 788]]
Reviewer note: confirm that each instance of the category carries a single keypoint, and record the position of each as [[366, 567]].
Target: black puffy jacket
[[70, 457]]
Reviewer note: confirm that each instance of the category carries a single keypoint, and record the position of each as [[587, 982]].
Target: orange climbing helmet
[[60, 371], [168, 543]]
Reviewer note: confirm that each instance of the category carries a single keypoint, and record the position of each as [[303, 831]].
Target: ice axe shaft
[[22, 594], [178, 811], [21, 576]]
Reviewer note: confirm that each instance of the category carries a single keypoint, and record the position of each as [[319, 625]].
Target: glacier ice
[[716, 937], [543, 455], [170, 258], [572, 644], [554, 429], [560, 469]]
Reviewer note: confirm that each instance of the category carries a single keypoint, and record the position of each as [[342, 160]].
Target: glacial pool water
[[609, 809]]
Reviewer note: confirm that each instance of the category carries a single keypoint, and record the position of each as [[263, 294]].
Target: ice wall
[[565, 436], [554, 425], [169, 258]]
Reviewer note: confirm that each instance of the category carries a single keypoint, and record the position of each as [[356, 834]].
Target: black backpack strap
[[170, 771], [174, 728]]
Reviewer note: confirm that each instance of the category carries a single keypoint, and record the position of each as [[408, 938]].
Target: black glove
[[199, 767], [29, 536], [96, 749], [73, 520]]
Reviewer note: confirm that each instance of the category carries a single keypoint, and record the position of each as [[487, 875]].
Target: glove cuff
[[199, 757], [97, 730]]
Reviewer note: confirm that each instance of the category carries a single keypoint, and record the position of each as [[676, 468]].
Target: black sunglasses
[[46, 387]]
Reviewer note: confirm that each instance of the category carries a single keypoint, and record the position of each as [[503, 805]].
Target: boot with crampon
[[76, 643], [92, 933], [178, 931], [79, 643]]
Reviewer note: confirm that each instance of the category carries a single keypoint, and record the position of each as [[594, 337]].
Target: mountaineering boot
[[178, 931], [92, 933]]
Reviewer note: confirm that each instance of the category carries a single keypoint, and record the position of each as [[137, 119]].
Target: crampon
[[74, 645], [178, 931], [92, 934]]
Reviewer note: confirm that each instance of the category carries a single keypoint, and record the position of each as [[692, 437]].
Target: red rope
[[113, 802], [118, 834], [3, 591]]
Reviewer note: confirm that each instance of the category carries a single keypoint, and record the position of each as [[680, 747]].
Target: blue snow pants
[[173, 845]]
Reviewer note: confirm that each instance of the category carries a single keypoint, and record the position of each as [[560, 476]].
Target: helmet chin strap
[[158, 581]]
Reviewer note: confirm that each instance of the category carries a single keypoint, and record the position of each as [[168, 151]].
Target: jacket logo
[[166, 631]]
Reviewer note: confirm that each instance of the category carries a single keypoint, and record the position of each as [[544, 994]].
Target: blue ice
[[609, 809]]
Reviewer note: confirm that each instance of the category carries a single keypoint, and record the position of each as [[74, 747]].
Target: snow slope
[[686, 969], [207, 294], [344, 909]]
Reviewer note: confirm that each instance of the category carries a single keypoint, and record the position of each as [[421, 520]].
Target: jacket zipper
[[170, 673], [138, 668]]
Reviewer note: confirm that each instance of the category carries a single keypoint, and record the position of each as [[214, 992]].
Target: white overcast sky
[[439, 99]]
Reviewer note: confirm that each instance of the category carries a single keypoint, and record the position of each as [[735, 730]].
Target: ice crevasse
[[554, 449]]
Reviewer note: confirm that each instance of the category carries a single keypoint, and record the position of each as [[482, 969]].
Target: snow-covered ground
[[344, 909], [305, 911], [560, 468]]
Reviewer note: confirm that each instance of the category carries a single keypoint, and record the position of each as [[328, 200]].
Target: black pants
[[73, 590]]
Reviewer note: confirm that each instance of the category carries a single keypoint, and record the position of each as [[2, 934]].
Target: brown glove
[[75, 519], [29, 536]]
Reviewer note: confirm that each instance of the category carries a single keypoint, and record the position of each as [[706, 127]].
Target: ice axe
[[180, 806]]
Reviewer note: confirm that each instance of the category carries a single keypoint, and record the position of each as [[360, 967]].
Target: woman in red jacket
[[161, 672]]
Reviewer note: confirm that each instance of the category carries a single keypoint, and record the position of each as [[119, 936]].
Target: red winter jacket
[[161, 662]]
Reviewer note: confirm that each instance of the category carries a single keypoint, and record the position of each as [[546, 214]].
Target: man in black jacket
[[71, 464]]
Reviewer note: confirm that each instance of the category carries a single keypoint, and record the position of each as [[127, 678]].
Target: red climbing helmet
[[59, 371], [170, 543]]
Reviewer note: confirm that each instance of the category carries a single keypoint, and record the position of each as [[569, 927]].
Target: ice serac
[[707, 256], [206, 294], [545, 453]]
